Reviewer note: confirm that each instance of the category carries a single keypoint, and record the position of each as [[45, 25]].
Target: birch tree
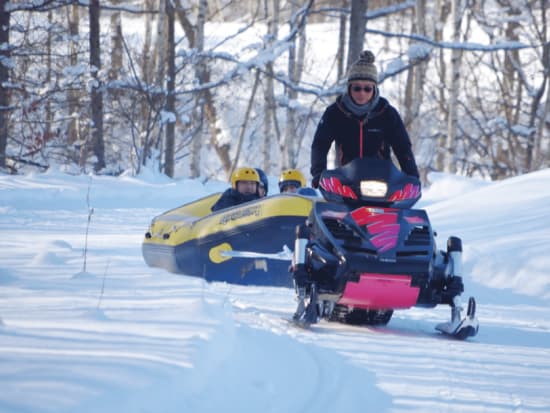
[[270, 123], [454, 86], [442, 11]]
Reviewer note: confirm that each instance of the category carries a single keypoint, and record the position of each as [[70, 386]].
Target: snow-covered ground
[[122, 337]]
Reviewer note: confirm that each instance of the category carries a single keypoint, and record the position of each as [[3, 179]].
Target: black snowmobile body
[[365, 252]]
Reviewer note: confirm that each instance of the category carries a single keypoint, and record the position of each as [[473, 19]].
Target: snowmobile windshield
[[370, 181]]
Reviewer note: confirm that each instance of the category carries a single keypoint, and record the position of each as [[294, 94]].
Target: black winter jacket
[[232, 197], [370, 136]]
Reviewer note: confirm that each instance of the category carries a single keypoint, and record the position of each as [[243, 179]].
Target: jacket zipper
[[361, 138]]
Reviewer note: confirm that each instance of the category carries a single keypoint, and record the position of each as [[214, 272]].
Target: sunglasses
[[367, 89]]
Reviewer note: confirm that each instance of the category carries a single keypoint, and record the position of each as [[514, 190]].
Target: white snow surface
[[123, 337]]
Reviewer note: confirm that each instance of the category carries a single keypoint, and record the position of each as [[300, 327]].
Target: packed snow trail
[[124, 337]]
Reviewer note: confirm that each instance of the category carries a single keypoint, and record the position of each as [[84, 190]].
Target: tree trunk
[[543, 123], [534, 141], [222, 149], [512, 154], [4, 80], [98, 146], [169, 153], [116, 44], [357, 29], [290, 92], [205, 100], [158, 99], [49, 114], [291, 142], [146, 62], [196, 41], [210, 113], [341, 52], [454, 88], [302, 44], [244, 123], [442, 10], [147, 68], [416, 74], [272, 16], [73, 97], [161, 44]]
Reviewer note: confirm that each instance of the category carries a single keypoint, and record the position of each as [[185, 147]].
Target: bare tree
[[244, 123], [289, 148], [538, 113], [50, 106], [454, 86], [4, 80], [196, 40], [506, 132], [416, 77], [169, 153], [116, 43], [416, 74], [73, 94], [160, 47], [147, 55], [357, 27], [341, 52], [144, 142], [98, 146], [270, 125], [442, 10], [49, 76], [205, 98]]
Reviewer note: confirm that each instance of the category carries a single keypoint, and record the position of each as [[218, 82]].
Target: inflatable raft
[[247, 244]]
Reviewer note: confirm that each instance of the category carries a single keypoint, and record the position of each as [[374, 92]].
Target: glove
[[315, 182]]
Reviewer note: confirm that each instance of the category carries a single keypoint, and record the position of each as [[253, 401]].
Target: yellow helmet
[[244, 174], [291, 177]]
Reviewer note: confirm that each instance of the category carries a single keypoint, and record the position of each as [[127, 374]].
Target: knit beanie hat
[[363, 68]]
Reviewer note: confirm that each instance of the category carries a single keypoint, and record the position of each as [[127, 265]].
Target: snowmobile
[[365, 252], [246, 244]]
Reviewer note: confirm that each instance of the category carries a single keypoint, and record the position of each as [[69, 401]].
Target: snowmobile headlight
[[376, 189]]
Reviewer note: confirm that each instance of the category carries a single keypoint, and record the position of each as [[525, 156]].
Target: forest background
[[115, 86]]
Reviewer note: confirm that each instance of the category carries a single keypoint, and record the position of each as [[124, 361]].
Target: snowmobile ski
[[306, 315], [461, 328]]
